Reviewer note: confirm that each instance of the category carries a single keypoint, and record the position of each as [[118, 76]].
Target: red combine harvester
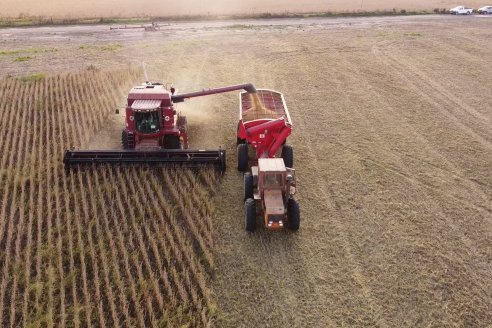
[[269, 188], [155, 133]]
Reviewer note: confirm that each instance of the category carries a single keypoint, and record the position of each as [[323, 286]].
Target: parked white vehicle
[[485, 10], [461, 10]]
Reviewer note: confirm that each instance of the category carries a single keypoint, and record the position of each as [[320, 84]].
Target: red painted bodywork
[[167, 113], [266, 134]]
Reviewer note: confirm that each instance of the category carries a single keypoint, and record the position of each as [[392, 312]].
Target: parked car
[[485, 10], [461, 10]]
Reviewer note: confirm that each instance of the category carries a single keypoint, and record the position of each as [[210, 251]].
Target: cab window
[[272, 180], [147, 122]]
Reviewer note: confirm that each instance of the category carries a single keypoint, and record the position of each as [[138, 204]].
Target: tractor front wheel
[[294, 214], [248, 185], [288, 156], [250, 219], [242, 157]]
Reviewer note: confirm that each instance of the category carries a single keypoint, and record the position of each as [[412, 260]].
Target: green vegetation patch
[[27, 51], [33, 77], [241, 27], [23, 59], [112, 47]]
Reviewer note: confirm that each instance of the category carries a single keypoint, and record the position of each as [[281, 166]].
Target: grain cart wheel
[[288, 156], [250, 219], [294, 214], [172, 142], [248, 185], [242, 157]]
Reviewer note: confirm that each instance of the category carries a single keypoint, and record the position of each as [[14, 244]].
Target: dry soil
[[393, 151]]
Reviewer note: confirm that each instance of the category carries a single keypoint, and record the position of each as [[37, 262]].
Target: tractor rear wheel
[[294, 214], [248, 185], [250, 219], [242, 157], [288, 156], [172, 142]]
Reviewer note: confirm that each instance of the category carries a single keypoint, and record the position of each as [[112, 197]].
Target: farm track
[[69, 259]]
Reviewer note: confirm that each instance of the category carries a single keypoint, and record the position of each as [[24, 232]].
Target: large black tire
[[124, 139], [250, 217], [242, 158], [223, 162], [288, 156], [294, 214], [248, 185], [172, 142]]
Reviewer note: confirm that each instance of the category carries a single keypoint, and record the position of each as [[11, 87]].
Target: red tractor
[[155, 133], [270, 185]]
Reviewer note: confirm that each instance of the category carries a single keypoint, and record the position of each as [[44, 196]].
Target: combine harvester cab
[[270, 185]]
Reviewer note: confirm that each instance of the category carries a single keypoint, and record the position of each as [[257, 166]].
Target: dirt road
[[393, 149], [125, 8]]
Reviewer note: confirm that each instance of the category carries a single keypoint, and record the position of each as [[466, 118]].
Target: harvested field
[[393, 152]]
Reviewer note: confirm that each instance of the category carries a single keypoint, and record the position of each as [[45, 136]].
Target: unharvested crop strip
[[164, 237], [80, 244], [34, 180], [19, 206], [190, 215], [88, 218], [123, 244], [100, 242], [153, 246], [199, 197], [6, 166], [60, 109], [133, 220], [179, 242], [41, 204], [116, 257], [11, 209]]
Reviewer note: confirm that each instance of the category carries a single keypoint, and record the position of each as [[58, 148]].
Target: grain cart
[[269, 190], [155, 133], [264, 124]]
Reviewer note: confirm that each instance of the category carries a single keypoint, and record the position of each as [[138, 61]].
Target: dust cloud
[[127, 8]]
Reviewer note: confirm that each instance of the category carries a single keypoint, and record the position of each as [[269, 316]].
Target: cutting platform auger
[[155, 133]]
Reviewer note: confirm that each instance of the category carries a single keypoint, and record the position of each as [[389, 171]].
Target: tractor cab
[[272, 186], [272, 174]]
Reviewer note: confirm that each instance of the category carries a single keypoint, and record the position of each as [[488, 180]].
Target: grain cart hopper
[[155, 133], [269, 188], [264, 124]]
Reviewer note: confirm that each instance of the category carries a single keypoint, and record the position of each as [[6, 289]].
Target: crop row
[[97, 246]]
